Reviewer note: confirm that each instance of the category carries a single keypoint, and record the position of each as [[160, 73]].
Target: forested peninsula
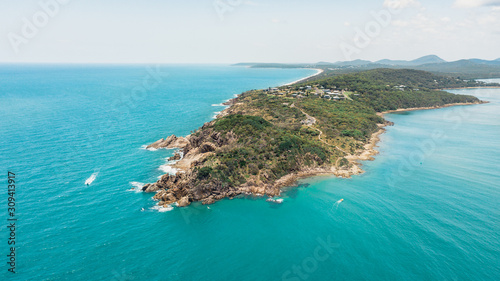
[[267, 139]]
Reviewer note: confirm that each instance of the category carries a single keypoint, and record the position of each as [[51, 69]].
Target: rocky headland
[[265, 141]]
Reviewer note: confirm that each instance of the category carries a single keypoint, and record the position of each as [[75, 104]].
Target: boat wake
[[91, 179], [336, 204]]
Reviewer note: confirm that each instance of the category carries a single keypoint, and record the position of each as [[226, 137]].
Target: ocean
[[427, 208]]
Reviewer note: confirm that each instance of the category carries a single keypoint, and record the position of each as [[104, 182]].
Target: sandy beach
[[478, 87], [427, 108], [305, 78]]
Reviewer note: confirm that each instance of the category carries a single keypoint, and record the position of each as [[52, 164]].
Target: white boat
[[91, 179]]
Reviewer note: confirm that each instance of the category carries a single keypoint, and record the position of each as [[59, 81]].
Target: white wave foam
[[168, 169], [219, 104], [162, 209], [144, 147], [215, 114], [137, 186], [278, 201], [318, 72]]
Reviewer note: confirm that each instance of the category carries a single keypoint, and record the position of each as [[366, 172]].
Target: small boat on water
[[91, 179]]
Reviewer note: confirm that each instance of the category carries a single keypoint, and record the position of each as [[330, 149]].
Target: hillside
[[267, 139], [464, 69], [419, 61], [390, 89]]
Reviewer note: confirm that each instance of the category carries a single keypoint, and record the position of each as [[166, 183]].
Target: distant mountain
[[465, 69], [392, 62], [352, 63], [428, 59], [419, 61], [245, 64], [490, 62], [324, 63]]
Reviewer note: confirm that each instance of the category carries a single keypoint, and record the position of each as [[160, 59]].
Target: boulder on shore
[[148, 188], [170, 142], [208, 201], [184, 202], [176, 157]]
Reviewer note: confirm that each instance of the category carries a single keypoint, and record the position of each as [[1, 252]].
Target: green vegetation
[[465, 69], [390, 89], [262, 153], [264, 137]]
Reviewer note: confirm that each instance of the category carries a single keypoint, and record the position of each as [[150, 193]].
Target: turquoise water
[[426, 209]]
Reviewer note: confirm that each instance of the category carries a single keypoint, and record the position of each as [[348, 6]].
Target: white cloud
[[495, 3], [400, 4], [252, 3], [475, 3], [400, 23], [487, 20], [468, 3]]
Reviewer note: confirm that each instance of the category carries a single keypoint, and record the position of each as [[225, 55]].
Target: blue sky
[[229, 31]]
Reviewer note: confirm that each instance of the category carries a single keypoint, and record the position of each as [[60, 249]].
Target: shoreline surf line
[[381, 114], [305, 78]]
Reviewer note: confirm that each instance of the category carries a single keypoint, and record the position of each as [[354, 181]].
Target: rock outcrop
[[184, 202], [186, 186], [170, 142], [176, 157], [260, 144]]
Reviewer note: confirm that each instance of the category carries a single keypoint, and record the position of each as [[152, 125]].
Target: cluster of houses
[[309, 91], [403, 88]]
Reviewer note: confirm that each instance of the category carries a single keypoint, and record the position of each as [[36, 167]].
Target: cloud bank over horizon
[[230, 31]]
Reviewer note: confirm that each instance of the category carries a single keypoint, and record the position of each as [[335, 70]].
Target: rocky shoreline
[[175, 189], [178, 189]]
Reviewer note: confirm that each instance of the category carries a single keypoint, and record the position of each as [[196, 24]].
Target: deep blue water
[[426, 209]]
